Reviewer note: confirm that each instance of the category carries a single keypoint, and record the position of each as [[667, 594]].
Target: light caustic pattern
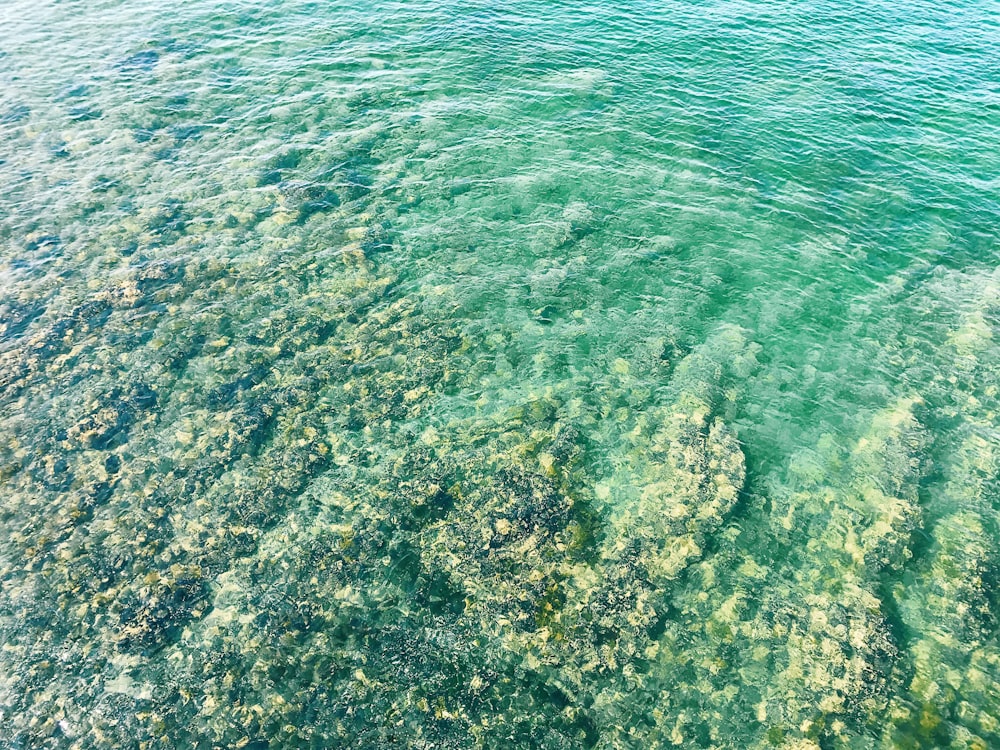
[[500, 375]]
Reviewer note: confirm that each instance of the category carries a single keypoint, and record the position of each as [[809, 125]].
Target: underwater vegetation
[[432, 379]]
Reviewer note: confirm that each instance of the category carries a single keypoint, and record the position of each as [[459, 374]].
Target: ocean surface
[[503, 374]]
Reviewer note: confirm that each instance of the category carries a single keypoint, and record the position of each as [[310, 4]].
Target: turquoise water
[[500, 375]]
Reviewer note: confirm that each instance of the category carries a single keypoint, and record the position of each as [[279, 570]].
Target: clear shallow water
[[499, 375]]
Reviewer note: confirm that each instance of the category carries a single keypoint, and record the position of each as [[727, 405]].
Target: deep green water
[[500, 374]]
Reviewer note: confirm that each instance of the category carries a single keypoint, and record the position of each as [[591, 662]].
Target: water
[[452, 375]]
